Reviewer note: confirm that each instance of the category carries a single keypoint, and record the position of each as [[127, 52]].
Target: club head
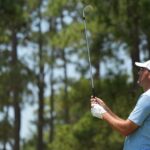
[[87, 8]]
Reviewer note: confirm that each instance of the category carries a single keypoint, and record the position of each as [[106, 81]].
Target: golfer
[[136, 127]]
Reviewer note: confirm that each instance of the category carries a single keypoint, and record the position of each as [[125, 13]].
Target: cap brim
[[138, 64]]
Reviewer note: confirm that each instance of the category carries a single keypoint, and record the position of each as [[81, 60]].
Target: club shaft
[[89, 58]]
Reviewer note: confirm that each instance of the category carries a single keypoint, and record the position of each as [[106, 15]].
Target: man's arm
[[125, 127]]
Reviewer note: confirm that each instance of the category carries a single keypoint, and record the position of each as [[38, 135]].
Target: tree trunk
[[40, 145], [66, 107], [133, 24], [96, 55], [14, 93], [41, 108], [40, 111], [52, 32], [51, 136], [17, 123]]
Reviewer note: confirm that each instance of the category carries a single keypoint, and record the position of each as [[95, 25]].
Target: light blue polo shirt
[[140, 139]]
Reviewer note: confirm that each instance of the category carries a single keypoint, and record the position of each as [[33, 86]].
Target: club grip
[[93, 92]]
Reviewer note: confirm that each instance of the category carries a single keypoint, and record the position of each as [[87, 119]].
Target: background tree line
[[42, 48]]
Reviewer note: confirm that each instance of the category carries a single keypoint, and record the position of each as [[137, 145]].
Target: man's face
[[144, 77]]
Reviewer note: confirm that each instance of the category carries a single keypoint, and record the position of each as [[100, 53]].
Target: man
[[137, 127]]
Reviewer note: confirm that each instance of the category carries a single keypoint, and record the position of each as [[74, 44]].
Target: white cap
[[144, 64]]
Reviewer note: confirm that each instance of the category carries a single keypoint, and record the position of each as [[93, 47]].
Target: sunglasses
[[142, 69]]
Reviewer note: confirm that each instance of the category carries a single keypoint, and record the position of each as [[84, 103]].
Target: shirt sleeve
[[141, 110]]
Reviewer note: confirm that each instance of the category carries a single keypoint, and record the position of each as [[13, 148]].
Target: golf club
[[88, 49]]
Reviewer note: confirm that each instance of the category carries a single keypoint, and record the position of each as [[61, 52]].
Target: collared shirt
[[140, 139]]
